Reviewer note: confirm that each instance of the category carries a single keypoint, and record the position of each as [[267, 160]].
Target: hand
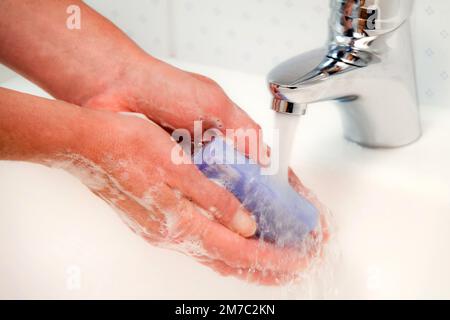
[[175, 99], [127, 162], [193, 97]]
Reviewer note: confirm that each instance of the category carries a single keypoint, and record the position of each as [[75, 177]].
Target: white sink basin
[[391, 213]]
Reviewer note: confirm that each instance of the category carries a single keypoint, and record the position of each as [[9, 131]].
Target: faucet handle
[[367, 18]]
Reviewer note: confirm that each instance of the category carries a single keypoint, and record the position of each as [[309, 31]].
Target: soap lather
[[283, 216]]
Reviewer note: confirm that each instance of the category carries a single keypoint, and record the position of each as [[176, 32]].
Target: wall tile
[[145, 21], [251, 35], [431, 35], [254, 35]]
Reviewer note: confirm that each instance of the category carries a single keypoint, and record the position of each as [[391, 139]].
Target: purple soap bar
[[283, 216]]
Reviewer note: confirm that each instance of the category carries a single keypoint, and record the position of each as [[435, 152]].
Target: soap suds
[[169, 234]]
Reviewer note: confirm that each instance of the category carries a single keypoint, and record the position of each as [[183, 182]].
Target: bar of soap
[[283, 216]]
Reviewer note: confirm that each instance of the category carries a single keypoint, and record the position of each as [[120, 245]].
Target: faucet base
[[385, 125]]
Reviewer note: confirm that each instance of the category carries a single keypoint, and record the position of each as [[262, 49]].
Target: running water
[[317, 281], [287, 125]]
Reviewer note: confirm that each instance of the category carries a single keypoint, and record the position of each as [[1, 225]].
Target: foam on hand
[[283, 216]]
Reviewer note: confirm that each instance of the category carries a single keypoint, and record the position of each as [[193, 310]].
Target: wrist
[[39, 130]]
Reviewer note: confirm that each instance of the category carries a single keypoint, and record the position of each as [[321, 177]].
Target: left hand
[[173, 98]]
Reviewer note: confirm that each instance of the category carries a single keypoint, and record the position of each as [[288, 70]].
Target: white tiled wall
[[432, 50], [145, 21], [253, 35]]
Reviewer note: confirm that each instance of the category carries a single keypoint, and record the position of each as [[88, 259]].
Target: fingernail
[[267, 149], [264, 159], [243, 223]]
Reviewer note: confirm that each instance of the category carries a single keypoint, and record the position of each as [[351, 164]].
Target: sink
[[390, 207]]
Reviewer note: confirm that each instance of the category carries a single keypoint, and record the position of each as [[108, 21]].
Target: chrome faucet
[[367, 68]]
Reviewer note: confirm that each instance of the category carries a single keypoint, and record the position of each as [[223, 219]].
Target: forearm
[[36, 129], [72, 65]]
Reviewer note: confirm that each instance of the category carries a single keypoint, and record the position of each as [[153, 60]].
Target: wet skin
[[98, 71]]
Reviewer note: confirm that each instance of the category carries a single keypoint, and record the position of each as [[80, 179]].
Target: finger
[[238, 252], [296, 183], [200, 98], [180, 221], [301, 189], [278, 265], [241, 253], [213, 198], [235, 251]]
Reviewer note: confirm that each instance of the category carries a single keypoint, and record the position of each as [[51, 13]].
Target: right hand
[[127, 162]]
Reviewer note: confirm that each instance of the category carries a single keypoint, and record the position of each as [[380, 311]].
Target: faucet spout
[[308, 78], [366, 68]]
